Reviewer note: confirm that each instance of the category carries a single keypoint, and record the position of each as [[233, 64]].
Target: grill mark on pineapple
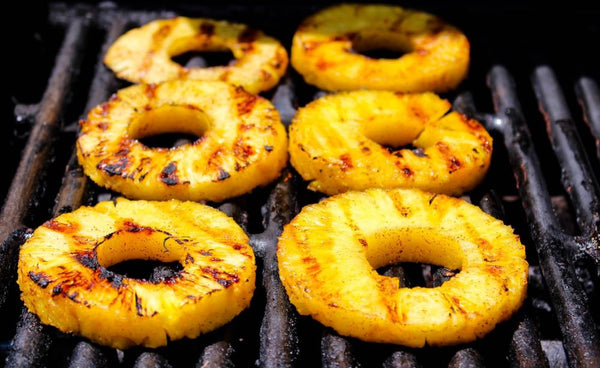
[[40, 279], [87, 258], [158, 37], [169, 174], [223, 175], [138, 305], [242, 151], [114, 167], [68, 228], [150, 92], [248, 35], [245, 101], [312, 265], [224, 278], [346, 162], [207, 29]]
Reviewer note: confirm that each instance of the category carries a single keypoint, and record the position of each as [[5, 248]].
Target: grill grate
[[557, 215]]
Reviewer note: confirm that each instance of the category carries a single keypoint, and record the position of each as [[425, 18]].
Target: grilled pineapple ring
[[242, 143], [64, 278], [436, 54], [340, 142], [328, 256], [143, 55]]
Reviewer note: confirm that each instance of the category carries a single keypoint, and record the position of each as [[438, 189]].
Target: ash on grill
[[542, 182]]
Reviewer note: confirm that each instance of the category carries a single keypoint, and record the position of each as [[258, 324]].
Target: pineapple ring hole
[[142, 253], [169, 125], [418, 245], [380, 45], [204, 59], [385, 129]]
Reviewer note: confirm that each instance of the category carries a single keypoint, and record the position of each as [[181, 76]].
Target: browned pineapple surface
[[329, 255], [364, 139], [65, 278], [241, 142], [326, 49], [144, 54]]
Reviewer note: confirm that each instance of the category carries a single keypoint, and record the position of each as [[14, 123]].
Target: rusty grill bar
[[557, 326]]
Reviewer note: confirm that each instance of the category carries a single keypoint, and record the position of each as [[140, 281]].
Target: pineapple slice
[[328, 256], [143, 55], [65, 279], [436, 55], [242, 143], [337, 143]]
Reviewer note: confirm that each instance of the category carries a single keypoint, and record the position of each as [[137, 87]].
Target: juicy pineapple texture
[[144, 54], [364, 139], [328, 256], [326, 49], [64, 277], [241, 141]]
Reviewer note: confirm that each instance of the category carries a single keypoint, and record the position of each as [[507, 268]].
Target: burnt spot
[[56, 290], [119, 167], [268, 148], [116, 280], [241, 150], [246, 103], [225, 279], [65, 228], [189, 259], [366, 150], [248, 35], [138, 306], [237, 246], [102, 125], [206, 252], [207, 29], [150, 90], [131, 226], [346, 162], [104, 108], [406, 172], [363, 242], [216, 259], [453, 164], [39, 278], [223, 175], [73, 296], [168, 174], [87, 258], [433, 197]]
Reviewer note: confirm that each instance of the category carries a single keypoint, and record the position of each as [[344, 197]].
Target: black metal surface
[[542, 182]]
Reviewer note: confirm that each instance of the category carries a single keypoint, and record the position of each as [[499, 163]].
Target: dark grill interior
[[534, 84]]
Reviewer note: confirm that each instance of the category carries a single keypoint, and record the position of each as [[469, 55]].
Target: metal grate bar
[[588, 95], [39, 144], [568, 297], [577, 175]]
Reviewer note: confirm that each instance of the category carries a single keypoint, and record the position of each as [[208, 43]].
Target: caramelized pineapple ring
[[241, 141], [144, 54], [65, 278], [328, 256], [355, 140], [436, 55]]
